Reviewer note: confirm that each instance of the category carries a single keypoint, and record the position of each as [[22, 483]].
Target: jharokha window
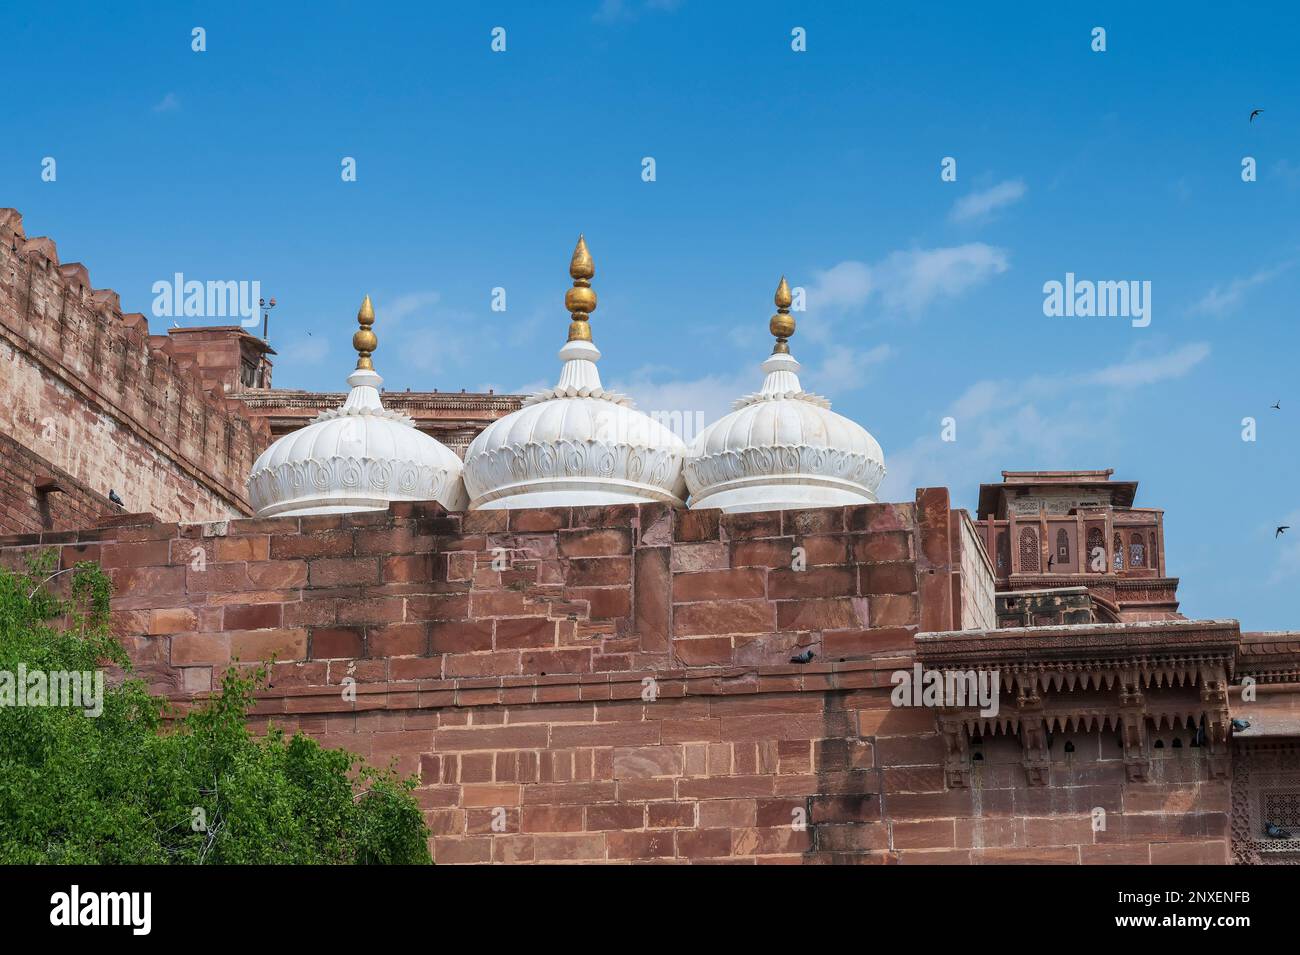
[[1137, 551], [1028, 550], [1096, 547], [1119, 552], [1062, 546]]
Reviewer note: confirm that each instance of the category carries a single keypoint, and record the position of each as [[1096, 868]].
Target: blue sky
[[478, 169]]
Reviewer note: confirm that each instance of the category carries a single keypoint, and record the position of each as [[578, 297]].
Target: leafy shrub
[[140, 784]]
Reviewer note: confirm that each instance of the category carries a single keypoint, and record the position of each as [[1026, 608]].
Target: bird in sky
[[1281, 530], [1254, 113], [112, 496], [1277, 405], [805, 657]]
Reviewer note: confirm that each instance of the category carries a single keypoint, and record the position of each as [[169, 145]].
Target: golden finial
[[364, 341], [782, 323], [580, 300]]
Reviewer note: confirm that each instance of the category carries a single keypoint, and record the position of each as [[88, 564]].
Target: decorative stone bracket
[[1124, 678]]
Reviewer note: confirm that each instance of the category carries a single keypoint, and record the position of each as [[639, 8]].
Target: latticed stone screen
[[1282, 808], [1028, 550]]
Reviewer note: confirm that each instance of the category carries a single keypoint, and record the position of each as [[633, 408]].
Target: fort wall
[[89, 392], [614, 684]]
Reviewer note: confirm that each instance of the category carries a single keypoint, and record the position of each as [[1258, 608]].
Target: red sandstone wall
[[621, 690], [414, 594], [721, 767], [84, 389], [22, 510]]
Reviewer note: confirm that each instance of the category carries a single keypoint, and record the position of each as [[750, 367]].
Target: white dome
[[783, 448], [574, 444], [359, 457]]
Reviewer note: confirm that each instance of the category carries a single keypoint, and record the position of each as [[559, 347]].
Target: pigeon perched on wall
[[1274, 831], [805, 657], [112, 496], [1240, 725]]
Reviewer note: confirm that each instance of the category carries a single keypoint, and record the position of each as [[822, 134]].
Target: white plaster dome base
[[572, 445], [783, 448], [360, 457]]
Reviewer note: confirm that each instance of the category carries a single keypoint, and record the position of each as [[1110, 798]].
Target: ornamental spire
[[782, 323], [364, 340], [580, 300]]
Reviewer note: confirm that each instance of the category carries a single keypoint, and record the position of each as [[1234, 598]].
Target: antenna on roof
[[266, 313]]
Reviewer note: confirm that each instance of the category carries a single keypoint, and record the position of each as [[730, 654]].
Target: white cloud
[[392, 312], [907, 281], [1048, 421], [910, 281], [845, 369], [980, 206], [1146, 371], [844, 286], [1225, 297], [698, 402], [530, 387], [710, 395]]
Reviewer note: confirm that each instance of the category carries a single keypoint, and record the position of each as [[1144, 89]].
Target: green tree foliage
[[133, 786]]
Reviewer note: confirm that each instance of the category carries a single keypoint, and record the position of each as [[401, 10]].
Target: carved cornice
[[1272, 657], [423, 401], [1133, 678], [1164, 590], [1090, 644]]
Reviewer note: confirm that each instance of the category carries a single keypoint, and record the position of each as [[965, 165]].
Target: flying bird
[[1051, 559], [112, 496], [805, 657], [1281, 530], [1277, 405], [1254, 113], [1274, 831], [1240, 725]]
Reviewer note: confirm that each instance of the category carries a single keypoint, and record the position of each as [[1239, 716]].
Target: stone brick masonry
[[90, 392], [36, 496], [614, 684]]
